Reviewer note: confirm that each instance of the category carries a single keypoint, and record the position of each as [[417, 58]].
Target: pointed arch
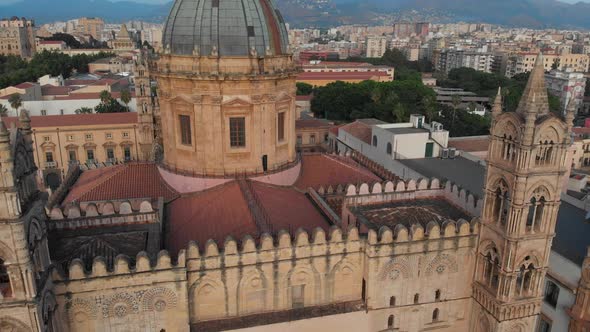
[[207, 297], [396, 268], [13, 325], [341, 277], [252, 292], [442, 263], [302, 281]]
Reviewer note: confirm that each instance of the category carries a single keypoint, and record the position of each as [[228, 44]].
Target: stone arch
[[442, 263], [307, 277], [208, 298], [252, 292], [80, 310], [541, 188], [159, 299], [483, 323], [550, 130], [10, 324], [341, 277], [517, 327], [508, 126], [7, 254], [396, 268]]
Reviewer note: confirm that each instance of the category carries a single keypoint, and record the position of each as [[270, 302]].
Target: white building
[[376, 46], [566, 84]]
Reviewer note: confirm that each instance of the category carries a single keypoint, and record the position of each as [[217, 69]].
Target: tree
[[304, 89], [429, 105], [105, 96], [15, 101], [3, 110], [126, 97], [110, 106], [83, 110], [456, 101]]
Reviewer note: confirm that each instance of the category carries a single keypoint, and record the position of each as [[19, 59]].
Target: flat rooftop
[[463, 172], [402, 131], [409, 212]]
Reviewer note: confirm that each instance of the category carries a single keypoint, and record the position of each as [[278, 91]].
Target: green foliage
[[387, 101], [110, 105], [84, 110], [3, 110], [126, 97], [464, 123], [105, 96], [304, 89], [14, 70], [16, 101]]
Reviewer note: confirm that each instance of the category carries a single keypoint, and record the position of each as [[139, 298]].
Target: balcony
[[50, 164]]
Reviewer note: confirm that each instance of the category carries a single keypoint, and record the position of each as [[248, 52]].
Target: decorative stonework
[[442, 263]]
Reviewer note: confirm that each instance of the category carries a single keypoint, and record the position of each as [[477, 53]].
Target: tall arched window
[[435, 313], [545, 151], [501, 204], [491, 268], [390, 321], [392, 301], [508, 148], [389, 149], [5, 287], [374, 140], [524, 279], [535, 214]]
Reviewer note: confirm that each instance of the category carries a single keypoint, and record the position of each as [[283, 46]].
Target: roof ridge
[[105, 179], [361, 168], [169, 187]]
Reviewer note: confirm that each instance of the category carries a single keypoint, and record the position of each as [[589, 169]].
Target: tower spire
[[534, 97], [497, 107]]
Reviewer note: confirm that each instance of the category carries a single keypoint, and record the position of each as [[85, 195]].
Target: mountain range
[[520, 13]]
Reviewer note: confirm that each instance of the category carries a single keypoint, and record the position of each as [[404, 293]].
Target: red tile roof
[[77, 120], [303, 98], [212, 214], [52, 90], [312, 123], [133, 180], [289, 209], [329, 170], [359, 130], [475, 144], [25, 85], [581, 130], [90, 95]]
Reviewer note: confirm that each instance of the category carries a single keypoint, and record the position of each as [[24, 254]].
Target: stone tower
[[526, 165], [26, 300], [226, 87], [145, 105]]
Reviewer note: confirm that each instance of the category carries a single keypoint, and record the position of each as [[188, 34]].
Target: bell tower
[[526, 165]]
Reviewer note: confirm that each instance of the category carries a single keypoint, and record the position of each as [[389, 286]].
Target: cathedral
[[228, 228]]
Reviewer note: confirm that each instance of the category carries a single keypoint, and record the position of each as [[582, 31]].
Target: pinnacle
[[534, 98]]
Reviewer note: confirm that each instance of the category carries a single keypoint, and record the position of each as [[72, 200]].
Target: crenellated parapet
[[379, 192], [434, 230], [100, 214]]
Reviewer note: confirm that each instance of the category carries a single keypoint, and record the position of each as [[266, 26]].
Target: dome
[[225, 27]]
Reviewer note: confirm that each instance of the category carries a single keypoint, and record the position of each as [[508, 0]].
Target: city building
[[450, 59], [376, 46], [524, 62], [409, 29], [234, 230], [312, 135], [114, 65], [467, 100], [567, 85], [92, 26], [59, 140], [321, 73], [17, 37], [50, 45]]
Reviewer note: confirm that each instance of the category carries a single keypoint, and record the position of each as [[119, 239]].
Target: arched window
[[416, 298], [389, 149], [551, 293], [435, 313], [437, 295], [524, 279], [545, 151], [501, 204], [535, 214], [392, 301], [508, 148], [390, 321], [491, 268], [5, 288], [374, 140]]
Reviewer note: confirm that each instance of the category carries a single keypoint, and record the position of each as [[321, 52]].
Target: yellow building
[[17, 37], [524, 62], [59, 140], [91, 26]]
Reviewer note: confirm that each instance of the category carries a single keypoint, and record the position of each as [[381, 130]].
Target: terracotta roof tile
[[212, 214], [133, 180], [25, 85], [341, 75], [474, 144], [312, 123], [359, 130], [328, 170], [76, 119], [289, 209]]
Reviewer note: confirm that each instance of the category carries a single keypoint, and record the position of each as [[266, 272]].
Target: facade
[[524, 62], [50, 45], [60, 140], [567, 85], [449, 59], [17, 37], [312, 135], [122, 41], [376, 46], [92, 26]]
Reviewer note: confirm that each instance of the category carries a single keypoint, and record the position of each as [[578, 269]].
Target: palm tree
[[84, 110], [126, 97], [16, 102], [3, 110], [429, 103], [105, 96]]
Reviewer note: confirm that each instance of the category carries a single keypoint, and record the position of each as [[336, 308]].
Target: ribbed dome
[[232, 27]]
